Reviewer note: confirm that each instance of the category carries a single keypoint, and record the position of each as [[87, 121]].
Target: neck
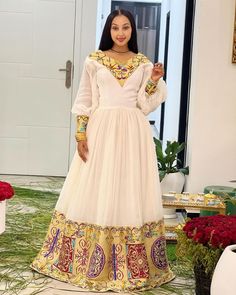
[[120, 48]]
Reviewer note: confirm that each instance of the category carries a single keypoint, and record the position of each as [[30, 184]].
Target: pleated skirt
[[107, 229]]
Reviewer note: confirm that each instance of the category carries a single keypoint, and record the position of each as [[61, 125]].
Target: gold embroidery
[[151, 87], [121, 71], [82, 121], [104, 258]]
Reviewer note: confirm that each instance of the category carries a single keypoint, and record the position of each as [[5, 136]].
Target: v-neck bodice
[[118, 84], [120, 70], [106, 82]]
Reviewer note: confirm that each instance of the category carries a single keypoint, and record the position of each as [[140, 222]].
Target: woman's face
[[121, 30]]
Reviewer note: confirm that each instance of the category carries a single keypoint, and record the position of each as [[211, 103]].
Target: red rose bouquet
[[202, 240], [6, 191]]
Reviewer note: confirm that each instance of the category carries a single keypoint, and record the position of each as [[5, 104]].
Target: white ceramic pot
[[223, 280], [172, 182], [2, 216]]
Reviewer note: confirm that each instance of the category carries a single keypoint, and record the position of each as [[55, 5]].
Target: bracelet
[[79, 136]]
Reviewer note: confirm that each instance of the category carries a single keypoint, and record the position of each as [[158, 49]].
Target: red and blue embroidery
[[137, 262]]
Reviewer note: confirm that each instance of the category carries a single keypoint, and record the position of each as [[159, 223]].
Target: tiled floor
[[54, 184]]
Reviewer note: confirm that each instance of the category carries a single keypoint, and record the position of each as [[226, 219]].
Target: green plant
[[168, 161]]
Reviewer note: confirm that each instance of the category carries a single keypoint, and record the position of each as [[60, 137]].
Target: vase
[[202, 280], [172, 182], [223, 280], [2, 216]]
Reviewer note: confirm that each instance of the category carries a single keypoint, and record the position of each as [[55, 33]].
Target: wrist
[[80, 136], [151, 87]]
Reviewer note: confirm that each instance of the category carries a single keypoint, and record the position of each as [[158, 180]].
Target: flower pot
[[223, 280], [2, 216], [172, 182], [202, 280]]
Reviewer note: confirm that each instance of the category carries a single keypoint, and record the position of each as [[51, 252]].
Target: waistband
[[117, 107]]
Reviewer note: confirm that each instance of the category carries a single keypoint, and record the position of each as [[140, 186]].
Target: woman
[[107, 231]]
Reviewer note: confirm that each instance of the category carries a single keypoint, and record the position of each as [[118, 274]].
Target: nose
[[121, 31]]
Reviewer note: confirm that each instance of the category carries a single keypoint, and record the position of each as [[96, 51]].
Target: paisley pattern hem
[[104, 258]]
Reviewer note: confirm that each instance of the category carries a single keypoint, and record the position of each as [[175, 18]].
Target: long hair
[[106, 40]]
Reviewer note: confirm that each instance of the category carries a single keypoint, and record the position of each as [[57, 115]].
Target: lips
[[120, 39]]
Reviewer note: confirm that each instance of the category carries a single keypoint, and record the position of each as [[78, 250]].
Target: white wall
[[175, 58], [212, 115]]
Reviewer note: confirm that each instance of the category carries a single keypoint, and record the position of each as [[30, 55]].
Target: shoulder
[[96, 55], [90, 58], [143, 58]]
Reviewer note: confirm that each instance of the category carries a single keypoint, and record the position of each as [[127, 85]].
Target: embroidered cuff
[[151, 87], [80, 136], [82, 121]]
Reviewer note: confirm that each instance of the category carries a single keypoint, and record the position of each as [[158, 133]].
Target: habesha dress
[[107, 230]]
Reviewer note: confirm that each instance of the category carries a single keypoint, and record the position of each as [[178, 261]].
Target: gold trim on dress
[[104, 258], [121, 71], [82, 121], [151, 87]]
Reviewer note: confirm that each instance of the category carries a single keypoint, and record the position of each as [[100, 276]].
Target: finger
[[86, 146], [84, 153], [82, 156], [84, 149], [158, 64], [84, 159]]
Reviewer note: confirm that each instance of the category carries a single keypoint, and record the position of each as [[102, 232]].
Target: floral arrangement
[[203, 239], [6, 191]]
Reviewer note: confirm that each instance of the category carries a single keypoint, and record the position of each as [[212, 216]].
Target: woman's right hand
[[82, 148]]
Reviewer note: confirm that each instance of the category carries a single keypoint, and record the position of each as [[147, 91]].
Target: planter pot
[[223, 280], [202, 281], [172, 182], [2, 216]]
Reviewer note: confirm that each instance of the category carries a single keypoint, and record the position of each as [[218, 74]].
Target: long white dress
[[107, 230]]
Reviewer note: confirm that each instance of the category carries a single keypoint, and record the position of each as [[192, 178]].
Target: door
[[37, 38]]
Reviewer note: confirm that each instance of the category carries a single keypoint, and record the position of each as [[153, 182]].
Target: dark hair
[[106, 40]]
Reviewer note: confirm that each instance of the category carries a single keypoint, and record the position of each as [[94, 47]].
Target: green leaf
[[185, 170], [162, 174]]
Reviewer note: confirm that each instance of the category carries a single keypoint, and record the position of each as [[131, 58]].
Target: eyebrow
[[122, 25]]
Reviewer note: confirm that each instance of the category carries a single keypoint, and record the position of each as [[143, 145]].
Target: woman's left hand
[[157, 71]]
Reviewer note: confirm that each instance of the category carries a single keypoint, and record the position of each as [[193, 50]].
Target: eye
[[114, 28], [126, 27]]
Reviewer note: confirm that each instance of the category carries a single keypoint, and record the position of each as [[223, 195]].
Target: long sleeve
[[83, 101], [150, 97]]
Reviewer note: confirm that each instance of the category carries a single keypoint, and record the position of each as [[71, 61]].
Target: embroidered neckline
[[121, 71], [118, 61]]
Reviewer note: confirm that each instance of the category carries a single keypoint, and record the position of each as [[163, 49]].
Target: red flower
[[218, 231], [6, 191]]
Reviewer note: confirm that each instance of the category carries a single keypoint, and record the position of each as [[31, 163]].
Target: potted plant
[[171, 176], [201, 241], [168, 161], [6, 192]]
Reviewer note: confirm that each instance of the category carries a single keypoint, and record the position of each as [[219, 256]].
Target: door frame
[[186, 77], [87, 18]]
